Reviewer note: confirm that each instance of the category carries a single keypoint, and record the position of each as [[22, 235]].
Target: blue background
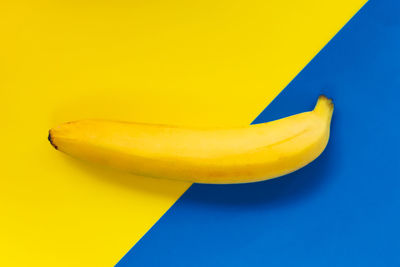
[[341, 210]]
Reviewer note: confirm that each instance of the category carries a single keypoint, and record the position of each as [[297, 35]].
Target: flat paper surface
[[343, 208], [210, 63]]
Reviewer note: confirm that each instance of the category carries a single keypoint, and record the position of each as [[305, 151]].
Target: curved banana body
[[223, 155]]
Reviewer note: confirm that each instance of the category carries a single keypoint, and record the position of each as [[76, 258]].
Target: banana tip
[[51, 140]]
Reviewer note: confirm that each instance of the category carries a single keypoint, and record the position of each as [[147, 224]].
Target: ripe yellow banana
[[223, 155]]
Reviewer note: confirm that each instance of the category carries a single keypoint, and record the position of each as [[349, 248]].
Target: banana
[[215, 156]]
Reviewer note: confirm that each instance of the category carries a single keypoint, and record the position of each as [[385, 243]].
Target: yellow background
[[175, 62]]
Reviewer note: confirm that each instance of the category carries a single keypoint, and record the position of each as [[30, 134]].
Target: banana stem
[[324, 107]]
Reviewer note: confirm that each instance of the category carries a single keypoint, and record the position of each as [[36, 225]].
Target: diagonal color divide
[[214, 63], [342, 209]]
